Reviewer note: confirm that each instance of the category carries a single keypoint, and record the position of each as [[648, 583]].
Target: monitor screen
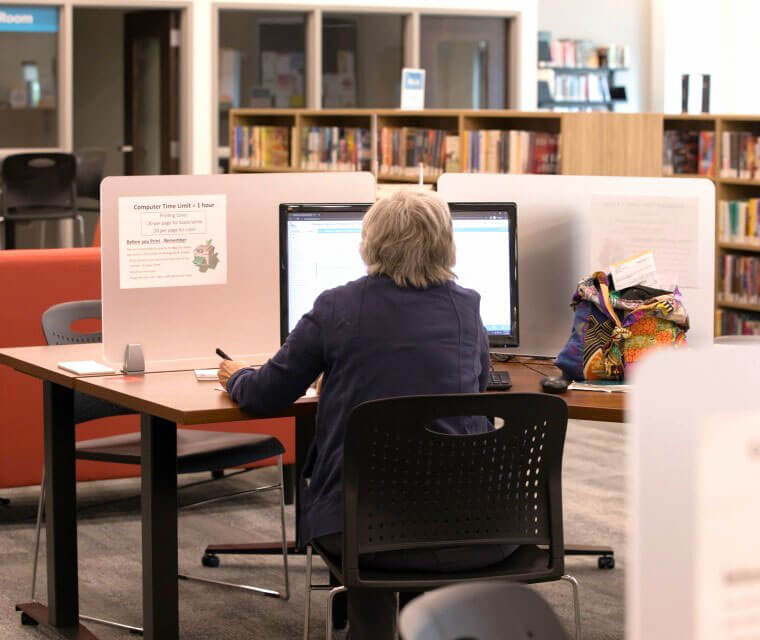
[[319, 249]]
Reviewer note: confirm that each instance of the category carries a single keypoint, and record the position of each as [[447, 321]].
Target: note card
[[637, 270]]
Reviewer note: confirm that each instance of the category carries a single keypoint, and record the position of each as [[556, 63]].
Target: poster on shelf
[[172, 241]]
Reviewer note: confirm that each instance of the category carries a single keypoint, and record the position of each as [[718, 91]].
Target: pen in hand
[[222, 354]]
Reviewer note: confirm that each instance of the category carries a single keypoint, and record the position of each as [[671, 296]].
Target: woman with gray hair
[[404, 329]]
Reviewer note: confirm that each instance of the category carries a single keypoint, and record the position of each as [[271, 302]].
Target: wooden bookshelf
[[726, 188], [589, 143]]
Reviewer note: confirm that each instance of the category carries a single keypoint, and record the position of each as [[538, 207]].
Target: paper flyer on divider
[[172, 241]]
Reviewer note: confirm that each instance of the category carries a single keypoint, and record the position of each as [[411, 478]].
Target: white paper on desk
[[623, 225], [639, 269], [727, 571], [206, 374], [85, 367], [608, 386]]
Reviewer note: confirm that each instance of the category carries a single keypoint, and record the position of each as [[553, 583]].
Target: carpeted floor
[[109, 556]]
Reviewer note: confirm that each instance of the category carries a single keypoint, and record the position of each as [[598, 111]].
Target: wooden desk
[[165, 400]]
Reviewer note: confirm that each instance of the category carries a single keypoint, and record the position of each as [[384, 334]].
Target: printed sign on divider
[[172, 241], [191, 263]]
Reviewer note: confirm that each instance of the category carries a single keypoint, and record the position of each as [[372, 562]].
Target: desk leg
[[159, 529], [305, 429], [61, 616]]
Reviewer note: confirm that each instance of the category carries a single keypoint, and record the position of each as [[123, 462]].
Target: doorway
[[127, 98]]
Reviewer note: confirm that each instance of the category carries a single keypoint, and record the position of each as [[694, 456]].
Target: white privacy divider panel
[[191, 263], [693, 559], [556, 246]]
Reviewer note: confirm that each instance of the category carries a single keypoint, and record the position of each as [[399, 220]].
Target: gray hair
[[409, 238]]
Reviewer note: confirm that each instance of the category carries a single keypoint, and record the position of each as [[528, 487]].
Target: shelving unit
[[546, 98], [725, 189], [589, 143]]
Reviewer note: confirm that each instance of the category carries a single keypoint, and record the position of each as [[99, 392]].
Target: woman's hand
[[227, 368]]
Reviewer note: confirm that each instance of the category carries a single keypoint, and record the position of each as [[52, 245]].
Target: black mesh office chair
[[197, 451], [38, 186], [90, 166], [480, 611], [407, 487]]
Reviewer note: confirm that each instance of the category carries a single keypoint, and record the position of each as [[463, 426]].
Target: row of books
[[592, 87], [498, 151], [336, 148], [403, 149], [739, 155], [739, 279], [688, 152], [567, 52], [731, 323], [739, 221], [260, 147]]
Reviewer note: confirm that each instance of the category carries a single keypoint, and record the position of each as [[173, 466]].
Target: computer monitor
[[319, 249]]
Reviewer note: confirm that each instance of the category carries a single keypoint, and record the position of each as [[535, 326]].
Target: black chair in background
[[197, 451], [39, 186], [480, 611], [90, 166], [407, 487]]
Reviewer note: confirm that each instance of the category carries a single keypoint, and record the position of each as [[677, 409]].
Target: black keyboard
[[499, 381]]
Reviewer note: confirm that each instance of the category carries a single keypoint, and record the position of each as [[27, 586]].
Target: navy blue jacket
[[371, 339]]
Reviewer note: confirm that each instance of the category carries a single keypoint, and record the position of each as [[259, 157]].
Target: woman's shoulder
[[343, 291], [463, 293]]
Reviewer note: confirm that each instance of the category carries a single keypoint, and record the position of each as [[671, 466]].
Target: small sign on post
[[412, 89]]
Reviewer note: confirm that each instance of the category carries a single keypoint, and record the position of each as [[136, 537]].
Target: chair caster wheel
[[210, 560], [27, 620], [606, 562]]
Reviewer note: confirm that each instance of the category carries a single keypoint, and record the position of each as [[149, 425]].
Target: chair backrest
[[57, 320], [39, 180], [480, 611], [406, 486], [90, 165]]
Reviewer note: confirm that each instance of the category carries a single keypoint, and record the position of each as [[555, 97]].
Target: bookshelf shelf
[[740, 306], [393, 177], [739, 246], [740, 182], [687, 175], [584, 69], [574, 103], [266, 170]]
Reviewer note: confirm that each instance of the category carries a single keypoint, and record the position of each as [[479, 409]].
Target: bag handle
[[613, 353]]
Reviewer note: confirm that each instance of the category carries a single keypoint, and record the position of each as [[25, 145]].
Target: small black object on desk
[[499, 381], [555, 384]]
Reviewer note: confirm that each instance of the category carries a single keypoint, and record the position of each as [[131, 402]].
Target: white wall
[[604, 22], [719, 38]]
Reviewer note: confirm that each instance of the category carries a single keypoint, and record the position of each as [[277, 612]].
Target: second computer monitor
[[319, 250]]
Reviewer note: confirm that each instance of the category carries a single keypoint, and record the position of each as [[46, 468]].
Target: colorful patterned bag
[[602, 346]]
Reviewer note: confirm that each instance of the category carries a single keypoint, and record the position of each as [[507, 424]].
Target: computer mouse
[[556, 384]]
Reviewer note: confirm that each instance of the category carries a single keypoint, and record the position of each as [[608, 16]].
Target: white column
[[314, 59]]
